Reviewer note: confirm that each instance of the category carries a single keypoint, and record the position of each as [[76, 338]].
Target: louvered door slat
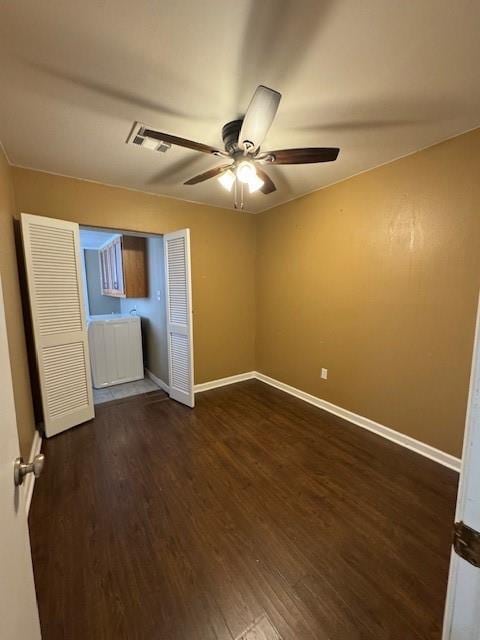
[[56, 300], [179, 315]]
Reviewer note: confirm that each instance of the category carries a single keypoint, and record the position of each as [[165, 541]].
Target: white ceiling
[[377, 78], [90, 239]]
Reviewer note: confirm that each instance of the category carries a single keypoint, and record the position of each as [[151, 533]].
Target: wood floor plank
[[255, 515]]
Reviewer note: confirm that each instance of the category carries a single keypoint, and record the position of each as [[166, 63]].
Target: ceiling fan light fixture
[[246, 171], [255, 183], [227, 179]]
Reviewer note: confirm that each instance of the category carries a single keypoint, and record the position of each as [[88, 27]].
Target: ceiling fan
[[245, 161]]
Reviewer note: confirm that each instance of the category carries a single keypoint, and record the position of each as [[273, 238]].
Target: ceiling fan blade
[[302, 156], [211, 173], [268, 185], [181, 142], [258, 118]]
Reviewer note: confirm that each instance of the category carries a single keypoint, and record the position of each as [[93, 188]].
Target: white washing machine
[[115, 343]]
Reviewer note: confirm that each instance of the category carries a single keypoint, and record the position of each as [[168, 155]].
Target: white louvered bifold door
[[55, 287], [179, 315]]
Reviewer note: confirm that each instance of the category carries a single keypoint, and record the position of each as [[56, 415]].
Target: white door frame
[[462, 607]]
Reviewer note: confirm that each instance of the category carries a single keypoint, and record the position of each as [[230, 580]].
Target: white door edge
[[462, 606]]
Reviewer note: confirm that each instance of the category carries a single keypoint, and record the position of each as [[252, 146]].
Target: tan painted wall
[[376, 278], [13, 311]]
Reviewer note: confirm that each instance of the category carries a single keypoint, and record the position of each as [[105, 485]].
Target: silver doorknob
[[21, 468]]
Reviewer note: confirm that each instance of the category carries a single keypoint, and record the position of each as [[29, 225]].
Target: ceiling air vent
[[136, 137]]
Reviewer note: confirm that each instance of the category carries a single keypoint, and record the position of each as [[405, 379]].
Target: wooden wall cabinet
[[123, 268]]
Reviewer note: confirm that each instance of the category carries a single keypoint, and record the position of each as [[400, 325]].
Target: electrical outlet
[[324, 374]]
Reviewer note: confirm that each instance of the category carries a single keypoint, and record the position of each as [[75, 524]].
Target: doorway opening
[[125, 308]]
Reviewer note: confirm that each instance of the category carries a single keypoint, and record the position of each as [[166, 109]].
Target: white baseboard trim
[[223, 382], [360, 421], [160, 383], [390, 434], [30, 478]]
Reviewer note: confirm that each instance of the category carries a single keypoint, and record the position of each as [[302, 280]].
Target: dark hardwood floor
[[254, 516]]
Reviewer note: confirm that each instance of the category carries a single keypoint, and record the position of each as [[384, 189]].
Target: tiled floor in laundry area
[[123, 390]]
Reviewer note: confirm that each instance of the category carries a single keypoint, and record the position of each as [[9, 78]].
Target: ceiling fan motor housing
[[230, 133]]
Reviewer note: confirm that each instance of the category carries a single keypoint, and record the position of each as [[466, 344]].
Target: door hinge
[[466, 542]]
